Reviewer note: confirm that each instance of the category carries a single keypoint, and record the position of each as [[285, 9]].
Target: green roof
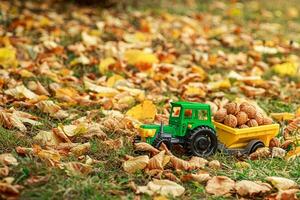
[[186, 104]]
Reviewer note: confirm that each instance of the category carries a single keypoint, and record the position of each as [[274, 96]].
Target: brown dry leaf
[[47, 138], [199, 177], [143, 146], [220, 185], [8, 159], [144, 112], [163, 187], [250, 188], [48, 106], [76, 168], [290, 194], [4, 171], [100, 90], [171, 176], [214, 164], [179, 164], [282, 183], [136, 163], [197, 162], [278, 152], [260, 153], [81, 149], [156, 162], [51, 156], [8, 190], [20, 92]]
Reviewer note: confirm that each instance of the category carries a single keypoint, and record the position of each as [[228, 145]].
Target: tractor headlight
[[144, 133]]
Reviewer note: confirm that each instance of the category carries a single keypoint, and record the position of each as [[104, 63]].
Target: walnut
[[274, 142], [220, 115], [244, 104], [250, 110], [241, 117], [267, 121], [232, 108], [243, 126], [259, 118], [252, 123], [230, 120]]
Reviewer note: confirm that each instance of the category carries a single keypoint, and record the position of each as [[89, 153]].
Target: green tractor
[[190, 125]]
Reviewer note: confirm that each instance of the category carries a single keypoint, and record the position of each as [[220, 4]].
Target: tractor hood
[[150, 130]]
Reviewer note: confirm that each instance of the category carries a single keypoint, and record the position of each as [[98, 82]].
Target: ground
[[88, 61]]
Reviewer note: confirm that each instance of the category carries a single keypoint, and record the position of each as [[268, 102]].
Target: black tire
[[159, 140], [253, 145], [202, 141]]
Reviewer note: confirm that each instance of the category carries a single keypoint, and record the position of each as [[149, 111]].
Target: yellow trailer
[[246, 139]]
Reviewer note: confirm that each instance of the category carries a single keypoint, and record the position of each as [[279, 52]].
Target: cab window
[[188, 113], [202, 114], [176, 111]]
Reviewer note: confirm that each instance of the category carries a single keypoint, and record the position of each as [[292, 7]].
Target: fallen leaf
[[8, 159], [293, 154], [101, 90], [282, 183], [21, 92], [81, 149], [220, 185], [144, 112], [105, 63], [260, 153], [286, 69], [156, 162], [163, 187], [9, 191], [290, 194], [278, 152], [76, 168], [199, 177], [8, 57], [137, 163], [180, 164], [142, 60], [47, 138], [197, 162], [214, 164], [143, 146], [250, 188]]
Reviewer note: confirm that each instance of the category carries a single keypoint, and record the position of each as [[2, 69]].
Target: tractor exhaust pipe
[[161, 129]]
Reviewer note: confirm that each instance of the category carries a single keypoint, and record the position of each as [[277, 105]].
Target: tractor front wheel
[[159, 140], [202, 141]]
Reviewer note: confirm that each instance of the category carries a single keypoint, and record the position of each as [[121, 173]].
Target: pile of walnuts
[[242, 115]]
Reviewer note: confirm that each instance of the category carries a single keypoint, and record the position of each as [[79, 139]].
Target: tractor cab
[[189, 125], [188, 115]]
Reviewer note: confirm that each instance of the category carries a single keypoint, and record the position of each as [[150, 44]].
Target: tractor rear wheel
[[202, 141], [159, 140]]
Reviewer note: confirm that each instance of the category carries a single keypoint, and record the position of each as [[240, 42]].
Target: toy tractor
[[190, 125]]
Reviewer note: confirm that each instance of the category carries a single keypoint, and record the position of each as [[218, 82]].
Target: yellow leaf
[[113, 80], [224, 84], [298, 112], [286, 69], [200, 72], [144, 111], [281, 183], [8, 57], [142, 60], [105, 63], [293, 154], [194, 91]]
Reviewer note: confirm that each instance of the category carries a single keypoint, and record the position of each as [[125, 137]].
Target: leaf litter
[[98, 76]]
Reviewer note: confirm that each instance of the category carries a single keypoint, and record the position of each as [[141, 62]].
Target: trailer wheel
[[253, 145], [159, 140], [202, 141]]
